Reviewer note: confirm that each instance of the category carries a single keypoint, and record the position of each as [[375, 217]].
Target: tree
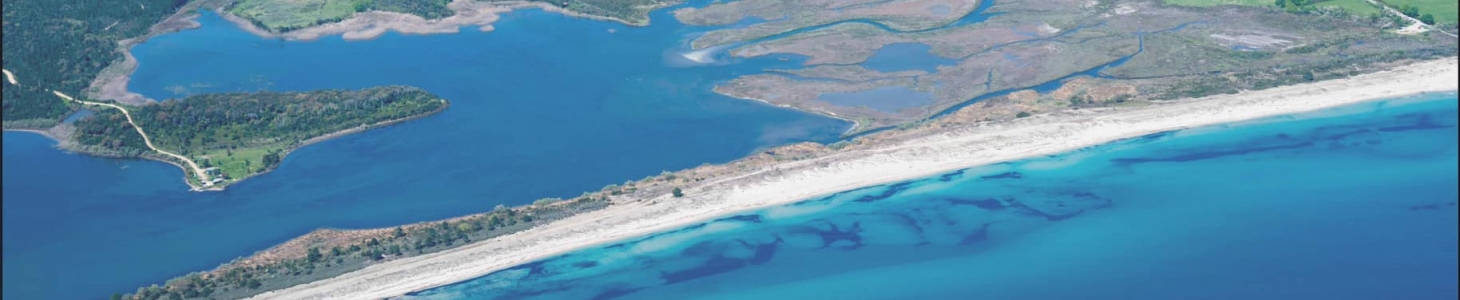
[[270, 159], [677, 193], [1427, 18], [313, 255], [1409, 10], [466, 227], [1281, 3], [398, 232], [1022, 114]]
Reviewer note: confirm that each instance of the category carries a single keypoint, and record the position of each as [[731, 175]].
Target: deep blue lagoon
[[544, 106], [1351, 203]]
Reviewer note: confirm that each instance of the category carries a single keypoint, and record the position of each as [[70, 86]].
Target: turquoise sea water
[[544, 106], [1350, 203]]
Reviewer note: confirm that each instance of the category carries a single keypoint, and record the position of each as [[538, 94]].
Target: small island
[[233, 136]]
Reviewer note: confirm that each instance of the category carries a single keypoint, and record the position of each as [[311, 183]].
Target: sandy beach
[[951, 149]]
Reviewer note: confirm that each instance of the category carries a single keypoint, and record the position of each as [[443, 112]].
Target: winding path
[[202, 175]]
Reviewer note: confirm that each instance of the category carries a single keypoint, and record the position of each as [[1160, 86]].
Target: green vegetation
[[1441, 11], [1211, 3], [630, 11], [1357, 7], [58, 46], [324, 261], [286, 15], [677, 193], [242, 134]]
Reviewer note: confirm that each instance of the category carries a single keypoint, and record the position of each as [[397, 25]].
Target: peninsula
[[225, 138]]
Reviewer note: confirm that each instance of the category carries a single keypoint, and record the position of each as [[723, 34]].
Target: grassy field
[[1359, 7], [1445, 11], [241, 162], [284, 15], [1211, 3]]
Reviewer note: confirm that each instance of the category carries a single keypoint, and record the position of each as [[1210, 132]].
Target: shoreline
[[943, 150], [373, 24], [65, 146], [111, 83]]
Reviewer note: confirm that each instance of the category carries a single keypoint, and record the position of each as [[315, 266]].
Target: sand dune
[[792, 181]]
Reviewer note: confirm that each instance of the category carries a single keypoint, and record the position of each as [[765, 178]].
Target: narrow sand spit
[[789, 182], [10, 77]]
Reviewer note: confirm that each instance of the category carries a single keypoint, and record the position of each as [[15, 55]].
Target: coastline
[[111, 83], [372, 24], [65, 145], [945, 148], [46, 133]]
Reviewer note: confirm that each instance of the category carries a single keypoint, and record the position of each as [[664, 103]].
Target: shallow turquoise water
[[1351, 203], [544, 106]]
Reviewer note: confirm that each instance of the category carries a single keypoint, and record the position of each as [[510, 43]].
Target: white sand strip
[[789, 182], [10, 77]]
